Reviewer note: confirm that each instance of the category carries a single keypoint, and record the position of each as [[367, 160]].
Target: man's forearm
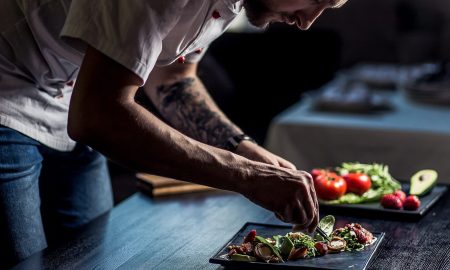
[[130, 135], [186, 105], [104, 115]]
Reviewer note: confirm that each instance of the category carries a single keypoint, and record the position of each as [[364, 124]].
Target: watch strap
[[234, 141]]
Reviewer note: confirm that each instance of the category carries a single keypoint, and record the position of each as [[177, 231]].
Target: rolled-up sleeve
[[128, 31]]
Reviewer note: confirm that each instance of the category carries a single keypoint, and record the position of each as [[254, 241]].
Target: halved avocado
[[422, 182]]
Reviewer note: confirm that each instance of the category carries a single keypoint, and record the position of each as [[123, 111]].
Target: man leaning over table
[[111, 48]]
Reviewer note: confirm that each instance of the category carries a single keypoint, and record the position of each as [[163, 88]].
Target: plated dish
[[262, 246], [375, 210], [297, 245], [352, 183], [369, 189]]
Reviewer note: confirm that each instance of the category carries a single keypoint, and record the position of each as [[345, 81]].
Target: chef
[[69, 72]]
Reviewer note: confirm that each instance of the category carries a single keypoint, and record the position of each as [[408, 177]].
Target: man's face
[[300, 12]]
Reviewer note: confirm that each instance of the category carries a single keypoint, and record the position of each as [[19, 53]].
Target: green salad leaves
[[382, 182], [296, 245]]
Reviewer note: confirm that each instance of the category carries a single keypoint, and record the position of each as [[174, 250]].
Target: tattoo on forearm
[[187, 110]]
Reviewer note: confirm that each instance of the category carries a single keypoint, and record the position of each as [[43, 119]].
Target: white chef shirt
[[42, 46]]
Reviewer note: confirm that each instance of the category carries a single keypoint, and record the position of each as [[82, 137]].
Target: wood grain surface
[[183, 232], [156, 186]]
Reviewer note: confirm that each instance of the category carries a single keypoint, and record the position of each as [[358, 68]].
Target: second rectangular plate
[[375, 209]]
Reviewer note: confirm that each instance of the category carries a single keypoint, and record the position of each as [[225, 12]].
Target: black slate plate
[[375, 210], [344, 260]]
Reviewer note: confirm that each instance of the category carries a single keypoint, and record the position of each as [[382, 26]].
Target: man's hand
[[288, 193], [296, 189], [255, 152]]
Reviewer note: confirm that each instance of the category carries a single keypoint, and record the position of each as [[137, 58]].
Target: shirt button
[[181, 59], [199, 51], [216, 14]]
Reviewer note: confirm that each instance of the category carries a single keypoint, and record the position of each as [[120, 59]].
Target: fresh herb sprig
[[302, 240]]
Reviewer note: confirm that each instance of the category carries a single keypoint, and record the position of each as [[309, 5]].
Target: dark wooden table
[[184, 232]]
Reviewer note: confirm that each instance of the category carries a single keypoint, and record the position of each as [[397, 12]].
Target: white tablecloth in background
[[411, 137]]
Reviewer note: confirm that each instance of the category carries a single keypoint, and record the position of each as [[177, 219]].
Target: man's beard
[[257, 13]]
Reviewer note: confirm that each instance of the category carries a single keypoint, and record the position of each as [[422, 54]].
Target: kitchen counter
[[183, 232]]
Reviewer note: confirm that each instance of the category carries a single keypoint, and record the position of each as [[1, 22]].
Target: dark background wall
[[267, 72], [398, 31]]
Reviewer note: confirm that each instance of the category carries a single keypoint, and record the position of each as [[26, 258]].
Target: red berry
[[391, 201], [362, 237], [322, 248], [401, 195], [411, 203], [251, 236]]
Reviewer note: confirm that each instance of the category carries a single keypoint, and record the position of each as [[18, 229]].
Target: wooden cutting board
[[156, 185]]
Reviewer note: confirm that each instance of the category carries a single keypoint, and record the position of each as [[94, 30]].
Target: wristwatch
[[234, 141]]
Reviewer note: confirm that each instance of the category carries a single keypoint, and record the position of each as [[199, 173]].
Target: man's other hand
[[255, 152]]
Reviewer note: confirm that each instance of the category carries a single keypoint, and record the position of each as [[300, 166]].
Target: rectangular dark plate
[[375, 210], [357, 260]]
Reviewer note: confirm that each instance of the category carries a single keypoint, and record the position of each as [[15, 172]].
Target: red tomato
[[357, 183], [329, 186], [317, 172]]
